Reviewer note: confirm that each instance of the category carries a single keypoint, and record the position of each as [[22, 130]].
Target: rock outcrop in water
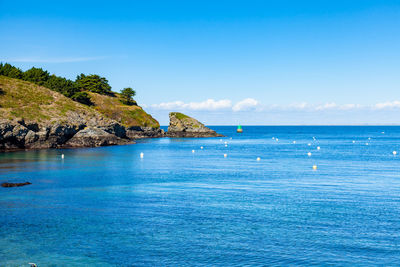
[[92, 137], [15, 184], [181, 125]]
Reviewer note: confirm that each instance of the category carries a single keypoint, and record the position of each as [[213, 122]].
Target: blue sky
[[225, 62]]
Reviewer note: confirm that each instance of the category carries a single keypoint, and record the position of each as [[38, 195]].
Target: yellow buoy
[[258, 159], [314, 167], [141, 155], [193, 151], [225, 155]]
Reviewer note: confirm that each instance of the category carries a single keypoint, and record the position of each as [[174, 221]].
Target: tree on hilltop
[[36, 75], [127, 95], [10, 71], [93, 83], [61, 85]]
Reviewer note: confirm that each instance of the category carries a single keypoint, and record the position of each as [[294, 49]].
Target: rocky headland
[[181, 125], [35, 117]]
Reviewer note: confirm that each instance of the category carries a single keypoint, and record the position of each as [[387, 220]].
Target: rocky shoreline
[[19, 134]]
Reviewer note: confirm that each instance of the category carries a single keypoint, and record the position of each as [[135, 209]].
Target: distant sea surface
[[177, 207]]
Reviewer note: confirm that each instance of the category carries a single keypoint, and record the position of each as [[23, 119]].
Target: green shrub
[[93, 83], [83, 98], [127, 95], [61, 85], [10, 71], [36, 75]]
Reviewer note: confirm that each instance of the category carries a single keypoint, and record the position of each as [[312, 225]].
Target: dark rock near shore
[[16, 135], [136, 132], [14, 184], [181, 125], [92, 137]]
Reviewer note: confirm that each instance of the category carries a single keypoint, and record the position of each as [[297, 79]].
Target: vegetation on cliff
[[20, 98], [127, 115]]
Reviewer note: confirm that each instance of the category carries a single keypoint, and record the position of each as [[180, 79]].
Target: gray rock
[[181, 125], [115, 129], [92, 137], [137, 132]]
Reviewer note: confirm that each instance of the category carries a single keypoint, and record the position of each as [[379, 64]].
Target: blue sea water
[[108, 207]]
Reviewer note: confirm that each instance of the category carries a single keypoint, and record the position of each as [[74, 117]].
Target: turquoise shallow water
[[106, 206]]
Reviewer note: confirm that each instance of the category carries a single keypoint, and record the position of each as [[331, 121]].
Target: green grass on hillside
[[24, 100], [180, 116], [127, 115]]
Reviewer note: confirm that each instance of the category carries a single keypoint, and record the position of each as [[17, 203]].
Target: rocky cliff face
[[19, 134], [137, 122], [181, 125], [34, 117]]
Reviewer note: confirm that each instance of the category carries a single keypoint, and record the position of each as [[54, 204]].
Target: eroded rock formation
[[181, 125]]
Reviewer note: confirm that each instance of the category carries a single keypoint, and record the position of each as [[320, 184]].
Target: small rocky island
[[181, 125]]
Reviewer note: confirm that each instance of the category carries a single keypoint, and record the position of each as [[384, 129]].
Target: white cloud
[[387, 105], [327, 106], [209, 104], [245, 104], [252, 104]]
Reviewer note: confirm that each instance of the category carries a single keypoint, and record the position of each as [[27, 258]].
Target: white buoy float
[[62, 156], [141, 155], [226, 145], [226, 142], [382, 132], [201, 147], [309, 154], [273, 138], [314, 167], [309, 144], [193, 151], [294, 142], [258, 159], [276, 139], [225, 155], [318, 148], [354, 141], [366, 144], [369, 138], [395, 152]]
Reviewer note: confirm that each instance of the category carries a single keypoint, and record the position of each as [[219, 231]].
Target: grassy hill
[[22, 99], [111, 107]]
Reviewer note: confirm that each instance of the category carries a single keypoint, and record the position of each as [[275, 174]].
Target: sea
[[270, 196]]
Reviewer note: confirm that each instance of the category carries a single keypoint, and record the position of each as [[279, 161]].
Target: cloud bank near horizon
[[251, 104]]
